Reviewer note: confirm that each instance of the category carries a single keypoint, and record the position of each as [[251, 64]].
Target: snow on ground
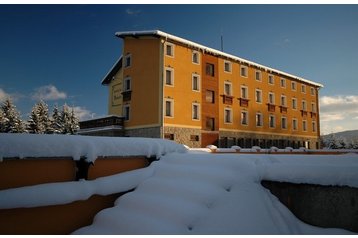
[[194, 192], [34, 145]]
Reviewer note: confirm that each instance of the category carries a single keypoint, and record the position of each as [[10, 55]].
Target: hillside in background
[[341, 140], [348, 135]]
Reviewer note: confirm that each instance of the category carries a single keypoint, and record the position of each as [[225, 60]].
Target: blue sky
[[62, 52]]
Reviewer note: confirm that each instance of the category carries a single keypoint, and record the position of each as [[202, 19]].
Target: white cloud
[[133, 12], [82, 113], [48, 92], [4, 95]]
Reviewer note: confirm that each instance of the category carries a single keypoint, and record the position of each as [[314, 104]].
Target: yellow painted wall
[[115, 99], [145, 75], [182, 92], [237, 81]]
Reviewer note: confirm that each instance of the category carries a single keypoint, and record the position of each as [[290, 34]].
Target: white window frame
[[124, 84], [171, 107], [294, 124], [293, 88], [166, 51], [198, 57], [272, 118], [273, 79], [304, 105], [247, 118], [230, 88], [129, 112], [227, 109], [303, 88], [259, 119], [284, 124], [172, 76], [246, 69], [314, 126], [125, 60], [304, 125], [258, 99], [198, 111], [313, 91], [294, 103], [246, 90], [285, 100], [283, 82], [198, 83], [226, 62], [260, 75], [313, 107], [273, 98]]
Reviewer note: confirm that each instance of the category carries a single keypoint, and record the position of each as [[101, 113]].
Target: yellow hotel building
[[168, 87]]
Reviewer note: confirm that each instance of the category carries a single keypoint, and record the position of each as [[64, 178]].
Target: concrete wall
[[323, 206]]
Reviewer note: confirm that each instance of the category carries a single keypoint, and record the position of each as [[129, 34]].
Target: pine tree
[[12, 122], [2, 120], [56, 121], [33, 124], [39, 121], [66, 120], [73, 122]]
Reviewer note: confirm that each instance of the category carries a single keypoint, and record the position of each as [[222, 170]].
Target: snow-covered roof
[[212, 51], [109, 76]]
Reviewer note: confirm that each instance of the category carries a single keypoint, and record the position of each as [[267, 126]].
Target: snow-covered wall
[[33, 145]]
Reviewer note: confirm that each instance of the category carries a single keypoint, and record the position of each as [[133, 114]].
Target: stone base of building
[[187, 136], [150, 132], [247, 140]]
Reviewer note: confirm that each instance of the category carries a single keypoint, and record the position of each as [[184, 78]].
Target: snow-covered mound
[[34, 145]]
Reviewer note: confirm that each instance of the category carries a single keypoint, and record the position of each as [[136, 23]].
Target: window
[[127, 84], [169, 76], [293, 86], [195, 57], [127, 60], [227, 88], [272, 121], [259, 119], [313, 91], [271, 79], [210, 69], [244, 92], [195, 82], [169, 49], [283, 100], [194, 138], [169, 136], [210, 96], [243, 71], [195, 111], [303, 88], [126, 112], [283, 122], [258, 75], [258, 96], [210, 123], [244, 118], [314, 127], [294, 124], [271, 98], [228, 115], [294, 103], [169, 107], [304, 106], [304, 125], [313, 107], [227, 66], [283, 83]]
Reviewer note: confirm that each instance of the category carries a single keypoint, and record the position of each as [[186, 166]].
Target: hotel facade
[[168, 87]]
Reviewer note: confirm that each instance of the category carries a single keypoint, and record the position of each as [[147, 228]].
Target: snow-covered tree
[[39, 121], [56, 121], [69, 120], [12, 122], [2, 120]]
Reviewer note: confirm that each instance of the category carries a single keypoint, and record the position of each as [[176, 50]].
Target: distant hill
[[348, 135]]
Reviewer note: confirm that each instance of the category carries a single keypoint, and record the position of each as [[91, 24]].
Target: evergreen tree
[[69, 120], [12, 122], [33, 124], [331, 142], [56, 121], [74, 124], [2, 120], [39, 121]]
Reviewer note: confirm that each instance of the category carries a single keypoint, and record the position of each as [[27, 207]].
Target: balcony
[[304, 113], [313, 115], [127, 95], [244, 102], [283, 109], [271, 107], [227, 99]]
